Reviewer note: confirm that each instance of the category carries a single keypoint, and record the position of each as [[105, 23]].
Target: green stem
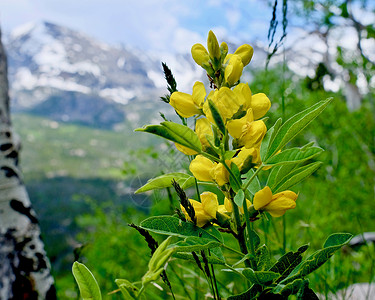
[[141, 291]]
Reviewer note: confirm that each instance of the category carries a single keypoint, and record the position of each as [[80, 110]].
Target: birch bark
[[24, 266]]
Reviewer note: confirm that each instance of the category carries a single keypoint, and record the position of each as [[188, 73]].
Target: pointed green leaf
[[333, 243], [296, 176], [260, 277], [239, 198], [268, 138], [165, 180], [129, 290], [189, 257], [252, 293], [291, 288], [294, 125], [177, 133], [168, 225], [263, 258], [191, 244], [286, 264], [254, 186], [293, 155], [216, 116], [236, 181], [88, 286]]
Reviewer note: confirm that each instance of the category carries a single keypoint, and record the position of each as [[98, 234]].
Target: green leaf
[[239, 198], [288, 289], [177, 133], [263, 258], [296, 176], [128, 289], [260, 277], [286, 264], [168, 225], [294, 125], [189, 257], [88, 286], [191, 244], [165, 180], [216, 116], [235, 182], [252, 293], [268, 138], [255, 239], [254, 185], [333, 243], [293, 155]]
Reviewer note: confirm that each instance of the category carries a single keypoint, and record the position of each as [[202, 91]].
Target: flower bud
[[260, 105], [203, 129], [233, 70], [245, 52], [213, 46], [200, 55], [184, 104]]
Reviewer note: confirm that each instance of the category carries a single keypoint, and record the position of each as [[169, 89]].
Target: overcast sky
[[162, 25]]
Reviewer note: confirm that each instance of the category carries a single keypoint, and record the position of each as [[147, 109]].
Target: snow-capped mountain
[[66, 75]]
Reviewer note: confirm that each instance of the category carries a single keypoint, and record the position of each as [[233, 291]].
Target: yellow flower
[[228, 205], [259, 103], [246, 158], [225, 101], [201, 168], [276, 204], [189, 105], [245, 52], [220, 174], [203, 128], [205, 211], [185, 150], [243, 94], [200, 55], [233, 70], [246, 131]]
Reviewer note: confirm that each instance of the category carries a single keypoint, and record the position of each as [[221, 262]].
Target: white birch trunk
[[24, 266]]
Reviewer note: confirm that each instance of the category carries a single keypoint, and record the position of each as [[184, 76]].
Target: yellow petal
[[253, 134], [245, 52], [203, 128], [221, 209], [262, 198], [233, 70], [210, 203], [235, 127], [260, 105], [200, 54], [220, 174], [201, 216], [243, 94], [185, 150], [184, 104], [278, 207], [227, 204], [199, 93], [242, 158], [201, 168]]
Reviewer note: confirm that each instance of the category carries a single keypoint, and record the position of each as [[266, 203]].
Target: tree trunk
[[24, 266]]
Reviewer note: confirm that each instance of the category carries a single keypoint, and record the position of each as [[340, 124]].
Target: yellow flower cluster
[[240, 118]]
